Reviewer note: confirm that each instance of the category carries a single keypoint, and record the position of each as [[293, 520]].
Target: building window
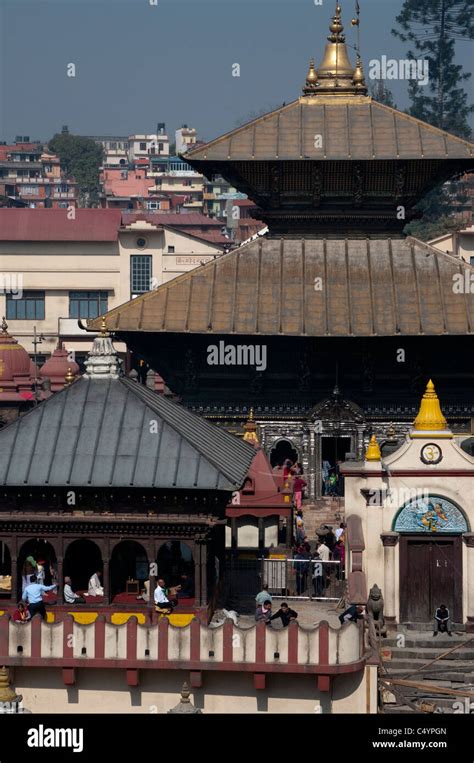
[[153, 205], [30, 307], [142, 146], [87, 304], [160, 146], [124, 175], [171, 250], [140, 273], [471, 260], [141, 243]]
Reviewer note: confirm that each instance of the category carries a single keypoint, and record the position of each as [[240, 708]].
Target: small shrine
[[21, 386], [410, 516]]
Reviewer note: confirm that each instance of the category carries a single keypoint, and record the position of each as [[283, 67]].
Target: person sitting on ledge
[[21, 614], [162, 603], [352, 614], [69, 596], [285, 614]]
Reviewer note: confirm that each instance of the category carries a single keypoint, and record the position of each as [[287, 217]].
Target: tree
[[433, 27], [80, 158], [382, 94]]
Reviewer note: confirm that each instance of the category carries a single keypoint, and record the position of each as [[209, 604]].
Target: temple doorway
[[333, 449], [129, 562], [283, 450], [44, 554], [174, 559], [430, 575], [82, 559]]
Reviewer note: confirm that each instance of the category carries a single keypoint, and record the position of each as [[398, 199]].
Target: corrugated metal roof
[[369, 287], [355, 127], [100, 433]]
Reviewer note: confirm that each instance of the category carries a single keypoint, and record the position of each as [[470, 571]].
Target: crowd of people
[[321, 559], [33, 590]]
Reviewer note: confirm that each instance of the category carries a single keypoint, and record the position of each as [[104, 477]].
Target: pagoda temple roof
[[368, 287], [99, 433], [351, 127]]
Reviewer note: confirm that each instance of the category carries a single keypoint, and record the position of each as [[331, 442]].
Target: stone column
[[60, 580], [469, 577], [360, 442], [313, 491], [390, 540]]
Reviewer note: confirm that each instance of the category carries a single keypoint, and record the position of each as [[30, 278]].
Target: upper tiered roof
[[334, 156]]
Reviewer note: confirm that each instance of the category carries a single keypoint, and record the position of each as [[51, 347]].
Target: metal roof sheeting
[[369, 287], [100, 433], [352, 128]]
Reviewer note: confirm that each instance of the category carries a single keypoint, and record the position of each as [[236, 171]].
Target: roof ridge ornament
[[430, 420], [103, 361], [4, 326], [335, 75]]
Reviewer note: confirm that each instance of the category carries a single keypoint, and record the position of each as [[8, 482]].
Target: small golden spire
[[373, 451], [311, 85], [103, 327], [250, 430], [4, 325], [6, 692], [430, 416], [69, 378], [359, 78]]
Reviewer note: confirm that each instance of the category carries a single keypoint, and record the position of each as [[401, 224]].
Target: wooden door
[[415, 584], [430, 575]]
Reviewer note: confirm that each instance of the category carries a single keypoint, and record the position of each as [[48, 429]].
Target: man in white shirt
[[161, 598], [69, 596], [323, 552]]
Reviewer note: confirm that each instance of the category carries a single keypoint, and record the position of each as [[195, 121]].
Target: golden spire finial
[[311, 84], [430, 416], [373, 451], [103, 327], [4, 325], [69, 378], [335, 75], [6, 692], [250, 430], [336, 28]]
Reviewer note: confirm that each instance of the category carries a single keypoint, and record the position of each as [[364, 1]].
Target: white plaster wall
[[19, 635], [115, 641], [179, 643], [84, 636], [212, 640], [52, 640], [147, 638], [276, 641], [106, 691]]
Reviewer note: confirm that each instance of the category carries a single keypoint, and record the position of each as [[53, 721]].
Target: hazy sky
[[138, 64]]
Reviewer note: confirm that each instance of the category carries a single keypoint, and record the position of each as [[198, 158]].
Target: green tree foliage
[[432, 28], [80, 158], [382, 94]]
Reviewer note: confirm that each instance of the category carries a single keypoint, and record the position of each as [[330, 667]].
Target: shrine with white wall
[[410, 517]]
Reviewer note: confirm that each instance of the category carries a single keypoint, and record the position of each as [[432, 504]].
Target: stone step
[[422, 627], [425, 655], [433, 643]]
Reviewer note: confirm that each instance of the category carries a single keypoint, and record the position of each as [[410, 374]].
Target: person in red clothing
[[21, 613], [298, 485]]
